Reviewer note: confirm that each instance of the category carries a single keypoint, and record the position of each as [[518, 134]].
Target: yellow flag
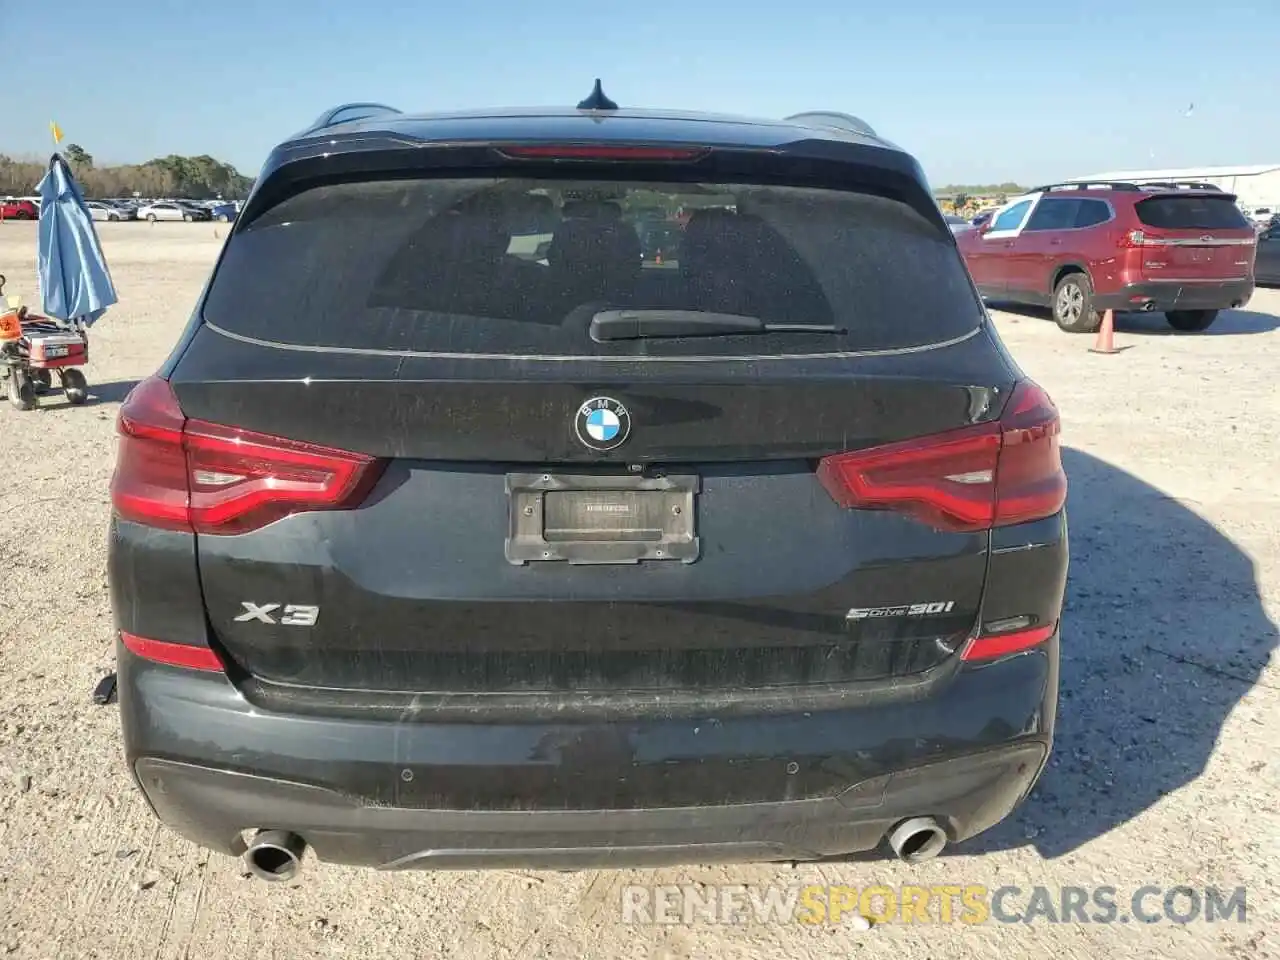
[[56, 131]]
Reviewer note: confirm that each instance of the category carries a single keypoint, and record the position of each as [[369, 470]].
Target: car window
[[1053, 213], [518, 267], [1190, 213], [1090, 213], [1011, 218]]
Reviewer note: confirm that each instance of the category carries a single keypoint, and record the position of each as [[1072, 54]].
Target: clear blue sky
[[980, 91]]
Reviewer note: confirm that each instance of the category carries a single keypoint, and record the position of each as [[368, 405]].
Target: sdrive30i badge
[[902, 610], [602, 423]]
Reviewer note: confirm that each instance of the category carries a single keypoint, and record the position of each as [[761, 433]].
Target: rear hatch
[[432, 456], [1195, 237]]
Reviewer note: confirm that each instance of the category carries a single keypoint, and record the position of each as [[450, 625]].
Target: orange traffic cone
[[1106, 342]]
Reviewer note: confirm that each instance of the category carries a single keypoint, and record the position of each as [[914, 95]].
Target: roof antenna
[[597, 100]]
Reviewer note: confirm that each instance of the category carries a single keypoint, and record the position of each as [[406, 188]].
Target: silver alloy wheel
[[1070, 302]]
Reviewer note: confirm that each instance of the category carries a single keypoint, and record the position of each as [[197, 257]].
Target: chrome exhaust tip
[[917, 839], [275, 855]]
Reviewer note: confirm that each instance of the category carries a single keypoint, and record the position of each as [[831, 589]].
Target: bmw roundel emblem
[[602, 423]]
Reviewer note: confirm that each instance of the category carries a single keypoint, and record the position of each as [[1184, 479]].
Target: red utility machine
[[32, 348]]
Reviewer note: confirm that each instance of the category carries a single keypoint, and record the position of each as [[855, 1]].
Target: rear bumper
[[212, 765], [1165, 295]]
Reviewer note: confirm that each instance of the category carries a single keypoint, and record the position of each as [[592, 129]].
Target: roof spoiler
[[347, 112], [833, 120]]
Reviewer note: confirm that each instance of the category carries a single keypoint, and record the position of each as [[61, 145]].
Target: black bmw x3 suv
[[458, 530]]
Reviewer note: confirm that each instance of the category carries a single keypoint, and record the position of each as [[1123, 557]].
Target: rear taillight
[[150, 481], [1133, 239], [241, 480], [192, 475], [974, 478], [1030, 481]]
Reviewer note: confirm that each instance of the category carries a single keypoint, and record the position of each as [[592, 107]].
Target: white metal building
[[1254, 186]]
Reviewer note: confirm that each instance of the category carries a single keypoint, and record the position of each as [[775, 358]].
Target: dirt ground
[[1165, 771]]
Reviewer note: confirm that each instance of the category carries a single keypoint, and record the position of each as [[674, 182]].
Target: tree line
[[981, 190], [199, 178], [965, 199]]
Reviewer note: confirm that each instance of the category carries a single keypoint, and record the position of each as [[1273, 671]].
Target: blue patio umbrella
[[74, 281]]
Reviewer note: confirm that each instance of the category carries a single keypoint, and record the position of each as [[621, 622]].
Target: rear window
[[1191, 213], [518, 267]]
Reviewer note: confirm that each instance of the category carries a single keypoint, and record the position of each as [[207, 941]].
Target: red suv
[[18, 210], [1082, 248]]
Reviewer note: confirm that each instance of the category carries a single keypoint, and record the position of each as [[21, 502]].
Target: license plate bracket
[[594, 519]]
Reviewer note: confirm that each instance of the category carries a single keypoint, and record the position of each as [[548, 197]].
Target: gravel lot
[[1165, 770]]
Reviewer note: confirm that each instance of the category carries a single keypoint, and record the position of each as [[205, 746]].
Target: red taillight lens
[[946, 481], [1030, 482], [993, 474], [1003, 644], [241, 480], [208, 478], [172, 654], [591, 151], [150, 481]]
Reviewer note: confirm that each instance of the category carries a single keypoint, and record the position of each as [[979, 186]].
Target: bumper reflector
[[1002, 644], [172, 654]]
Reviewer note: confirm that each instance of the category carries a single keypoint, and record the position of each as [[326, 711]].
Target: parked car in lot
[[224, 211], [16, 209], [956, 223], [427, 555], [1266, 268], [1262, 215], [198, 206], [127, 208], [100, 210], [171, 210], [1085, 248]]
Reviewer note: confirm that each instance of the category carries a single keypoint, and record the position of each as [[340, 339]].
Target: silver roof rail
[[346, 112], [833, 120], [1180, 185], [1087, 185]]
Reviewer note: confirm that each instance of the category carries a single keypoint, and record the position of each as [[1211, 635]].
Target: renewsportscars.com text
[[943, 903]]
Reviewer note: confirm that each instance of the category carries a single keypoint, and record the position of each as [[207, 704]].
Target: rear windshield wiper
[[640, 324]]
